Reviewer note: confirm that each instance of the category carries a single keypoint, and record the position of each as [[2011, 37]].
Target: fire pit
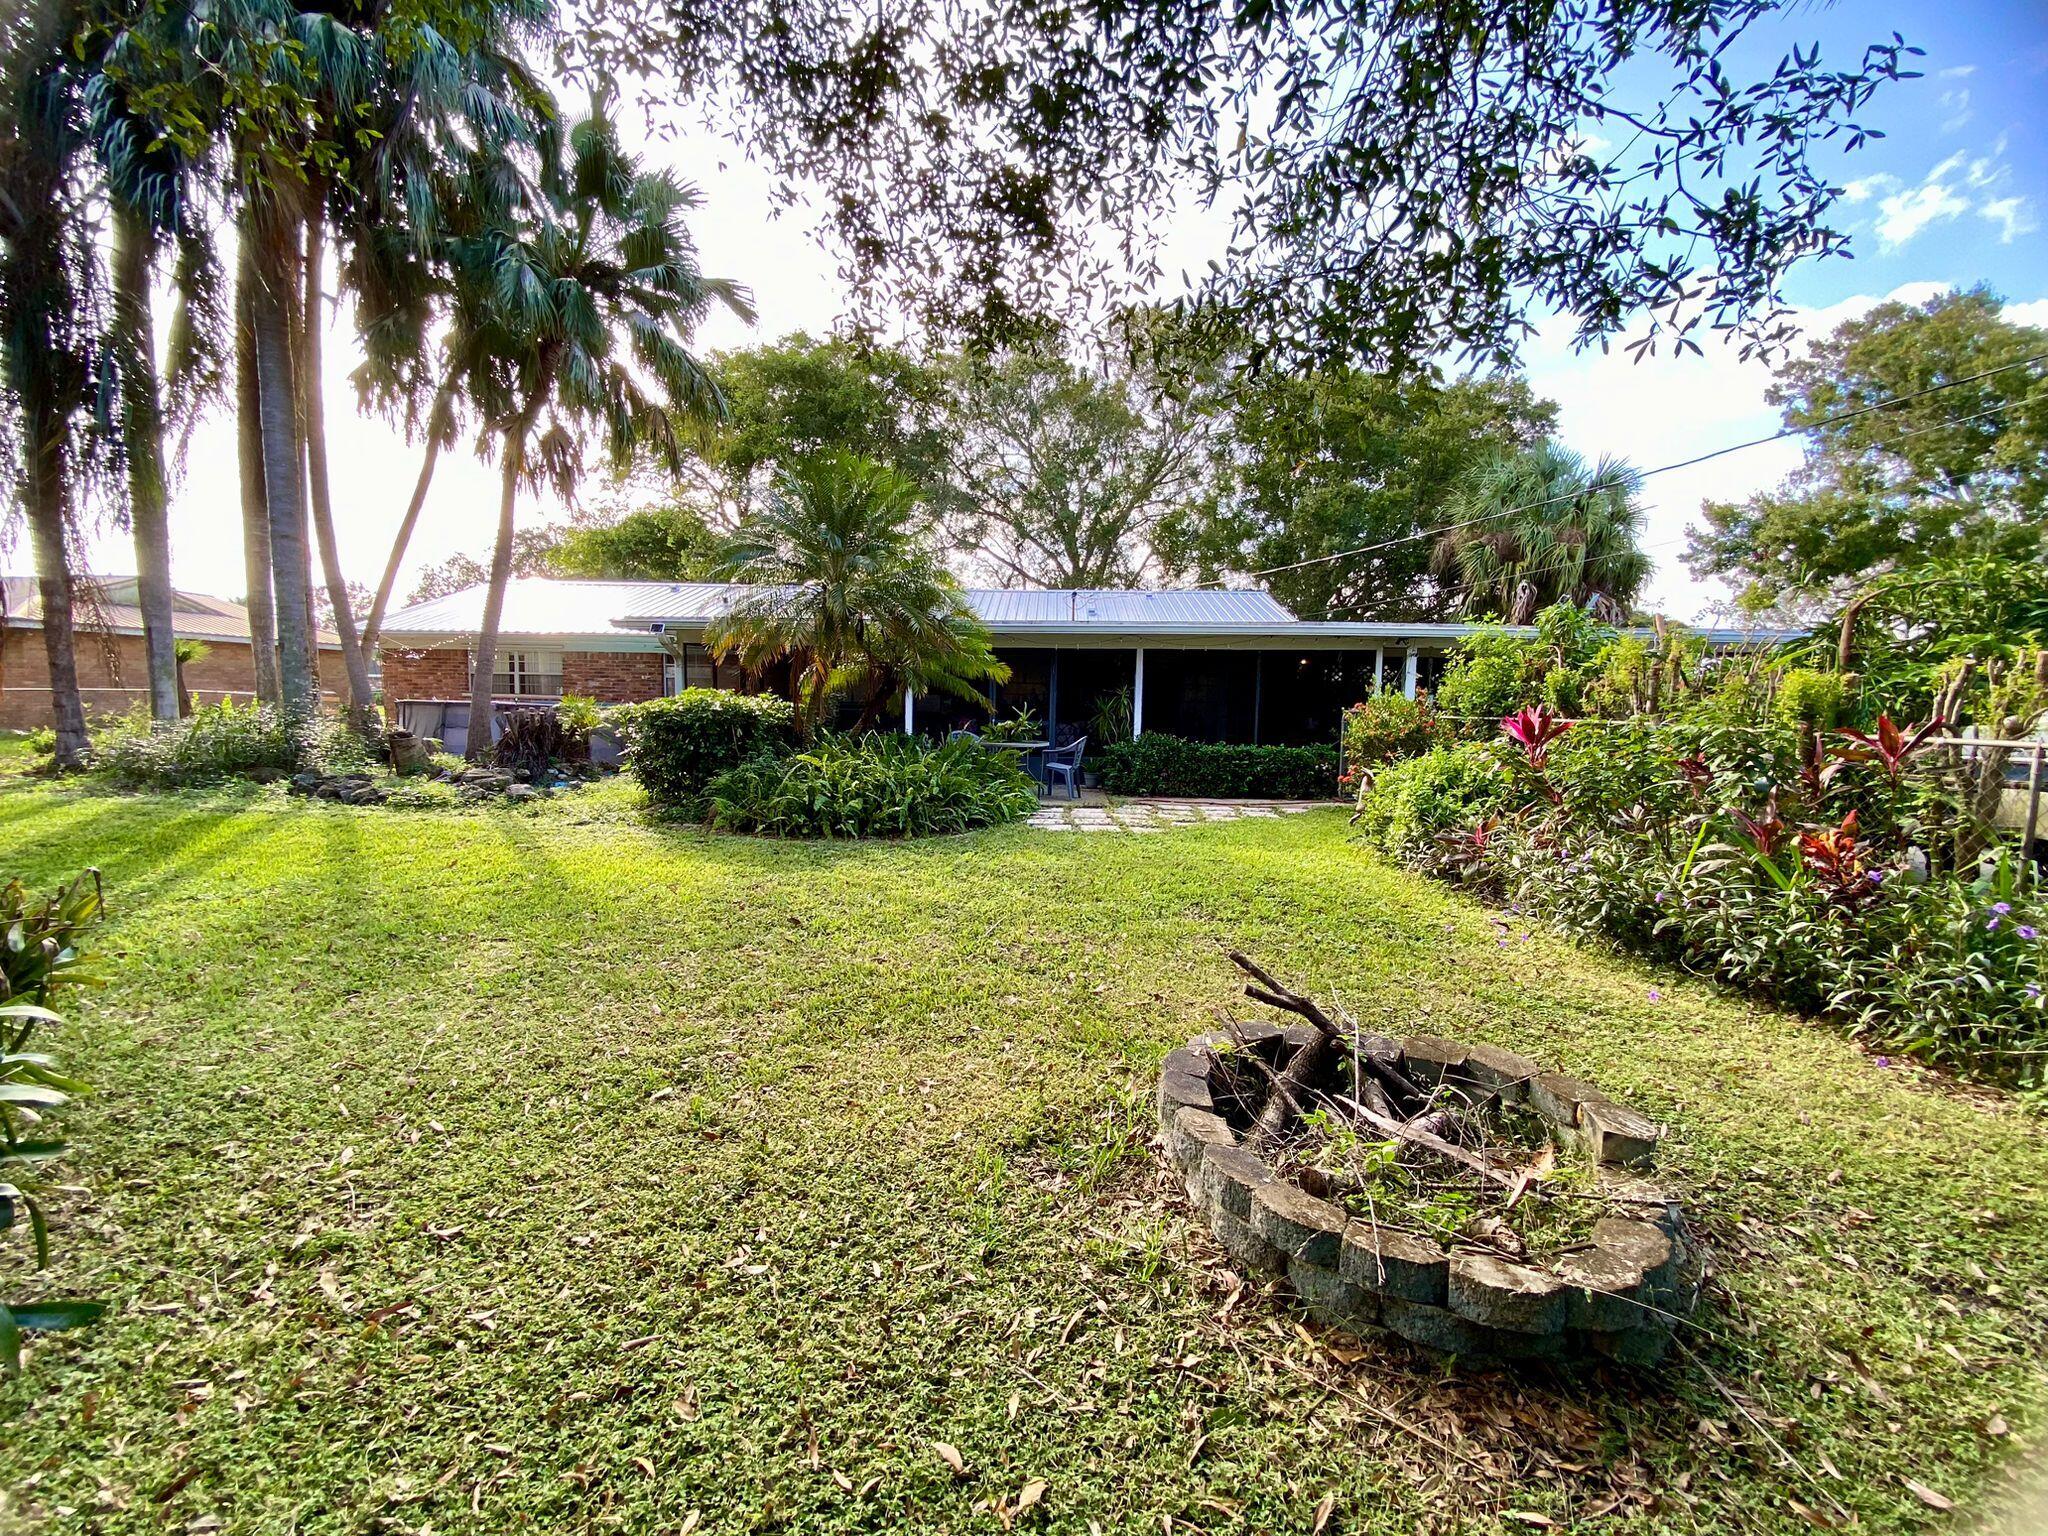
[[1457, 1195]]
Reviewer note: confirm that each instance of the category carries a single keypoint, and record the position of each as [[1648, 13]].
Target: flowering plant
[[1533, 728]]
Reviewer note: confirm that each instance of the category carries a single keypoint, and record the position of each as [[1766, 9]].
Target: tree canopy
[[1403, 180], [1960, 472], [1314, 462]]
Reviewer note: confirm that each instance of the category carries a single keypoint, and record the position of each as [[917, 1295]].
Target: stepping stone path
[[1157, 815]]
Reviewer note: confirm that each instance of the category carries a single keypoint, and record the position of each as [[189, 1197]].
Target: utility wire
[[1661, 469]]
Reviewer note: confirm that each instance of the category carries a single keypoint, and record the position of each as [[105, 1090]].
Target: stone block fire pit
[[1243, 1108]]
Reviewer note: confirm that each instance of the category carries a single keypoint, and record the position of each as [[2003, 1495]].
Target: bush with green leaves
[[1388, 725], [872, 786], [1158, 764], [42, 954], [220, 742], [678, 745], [1414, 802], [1711, 844]]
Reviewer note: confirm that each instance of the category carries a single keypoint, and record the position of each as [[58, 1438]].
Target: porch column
[[909, 717], [1138, 695], [1258, 691], [1410, 672], [1379, 668]]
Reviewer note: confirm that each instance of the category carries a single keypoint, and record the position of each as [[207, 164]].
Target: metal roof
[[107, 605], [544, 605], [625, 613]]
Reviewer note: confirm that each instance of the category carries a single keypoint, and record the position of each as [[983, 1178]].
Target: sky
[[1955, 194]]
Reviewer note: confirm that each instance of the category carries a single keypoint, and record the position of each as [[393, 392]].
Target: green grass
[[545, 1169]]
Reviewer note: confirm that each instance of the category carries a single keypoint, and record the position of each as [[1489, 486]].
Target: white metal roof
[[626, 613]]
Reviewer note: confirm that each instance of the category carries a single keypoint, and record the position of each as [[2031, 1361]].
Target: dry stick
[[1436, 1144], [1757, 1424]]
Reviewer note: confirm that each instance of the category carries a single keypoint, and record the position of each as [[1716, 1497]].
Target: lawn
[[546, 1169]]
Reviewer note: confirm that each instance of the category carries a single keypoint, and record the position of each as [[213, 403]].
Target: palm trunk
[[361, 703], [437, 426], [255, 503], [484, 659], [291, 564], [43, 493], [142, 441]]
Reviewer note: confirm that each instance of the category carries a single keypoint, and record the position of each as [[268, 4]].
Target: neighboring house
[[112, 674], [1209, 665]]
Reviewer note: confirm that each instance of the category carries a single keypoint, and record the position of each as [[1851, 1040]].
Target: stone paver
[[1154, 815]]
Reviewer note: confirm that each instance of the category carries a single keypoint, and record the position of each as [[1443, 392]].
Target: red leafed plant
[[1888, 747], [1839, 862], [1764, 832], [1465, 850], [1534, 727]]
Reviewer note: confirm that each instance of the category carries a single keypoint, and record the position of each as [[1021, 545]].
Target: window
[[697, 668], [528, 674]]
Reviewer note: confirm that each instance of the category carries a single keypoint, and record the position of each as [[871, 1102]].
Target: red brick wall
[[612, 677], [438, 674], [112, 675]]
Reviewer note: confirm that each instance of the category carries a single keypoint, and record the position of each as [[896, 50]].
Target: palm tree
[[46, 273], [847, 589], [564, 314], [1541, 528]]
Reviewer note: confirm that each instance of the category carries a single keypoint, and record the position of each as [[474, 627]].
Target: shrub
[[1809, 701], [1386, 726], [44, 951], [1156, 764], [1415, 802], [1491, 674], [678, 745], [873, 786], [223, 741]]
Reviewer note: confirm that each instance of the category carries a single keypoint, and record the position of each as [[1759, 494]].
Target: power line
[[1661, 469], [1686, 533]]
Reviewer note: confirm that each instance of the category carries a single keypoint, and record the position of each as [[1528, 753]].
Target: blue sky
[[1956, 193]]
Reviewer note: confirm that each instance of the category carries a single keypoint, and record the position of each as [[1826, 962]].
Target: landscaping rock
[[1434, 1328], [1502, 1294], [1298, 1224], [1642, 1244], [1181, 1090], [1227, 1179], [1499, 1072], [1618, 1135], [1396, 1264], [1330, 1298], [1191, 1132], [1557, 1098], [1429, 1059], [1607, 1290], [1245, 1245], [1632, 1346], [519, 794]]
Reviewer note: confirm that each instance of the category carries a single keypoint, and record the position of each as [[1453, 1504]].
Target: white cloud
[[1905, 214], [1963, 183], [1957, 105], [2014, 217], [1956, 72], [2034, 312]]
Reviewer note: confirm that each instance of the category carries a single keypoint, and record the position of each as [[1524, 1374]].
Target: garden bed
[[1453, 1222]]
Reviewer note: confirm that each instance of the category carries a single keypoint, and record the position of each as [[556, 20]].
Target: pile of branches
[[1442, 1127]]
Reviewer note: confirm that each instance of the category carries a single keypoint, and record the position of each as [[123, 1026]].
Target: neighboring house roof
[[194, 615], [635, 614]]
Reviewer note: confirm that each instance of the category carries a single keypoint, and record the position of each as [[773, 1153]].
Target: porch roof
[[635, 615]]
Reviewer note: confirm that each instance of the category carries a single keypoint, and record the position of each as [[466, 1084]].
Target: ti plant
[[40, 952]]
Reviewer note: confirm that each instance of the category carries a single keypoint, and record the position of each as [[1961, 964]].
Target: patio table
[[1030, 747]]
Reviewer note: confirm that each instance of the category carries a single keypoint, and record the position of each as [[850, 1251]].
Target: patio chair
[[1064, 763], [953, 736]]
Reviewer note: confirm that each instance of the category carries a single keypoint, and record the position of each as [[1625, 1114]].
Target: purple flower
[[1662, 897], [1884, 1061], [1656, 996], [1877, 877], [2028, 933], [2032, 990], [2001, 907], [1990, 922]]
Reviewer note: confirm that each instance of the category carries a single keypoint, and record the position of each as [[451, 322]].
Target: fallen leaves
[[1325, 1507], [950, 1455], [1926, 1495]]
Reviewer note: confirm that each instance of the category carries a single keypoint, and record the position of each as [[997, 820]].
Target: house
[[112, 672], [1208, 665]]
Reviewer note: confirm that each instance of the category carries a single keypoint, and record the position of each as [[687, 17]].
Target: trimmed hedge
[[678, 745], [1157, 764]]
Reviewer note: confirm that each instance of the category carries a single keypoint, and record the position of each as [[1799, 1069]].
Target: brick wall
[[612, 677], [438, 674], [112, 675]]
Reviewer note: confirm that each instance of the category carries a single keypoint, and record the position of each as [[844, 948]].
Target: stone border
[[1617, 1297]]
